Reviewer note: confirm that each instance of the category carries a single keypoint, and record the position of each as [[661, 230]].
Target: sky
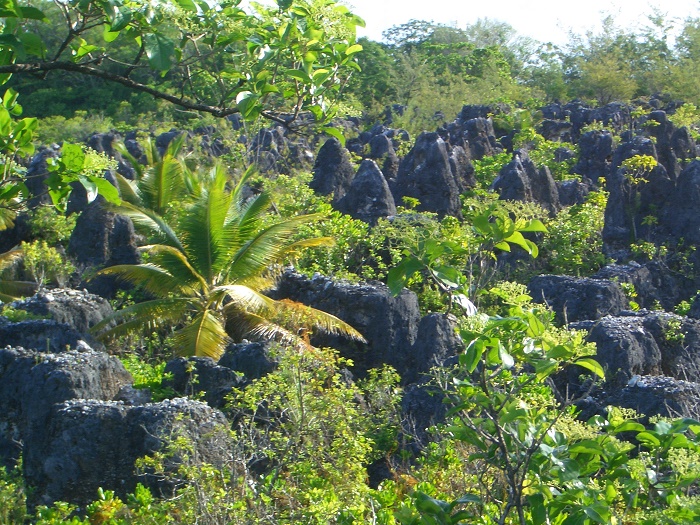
[[543, 20]]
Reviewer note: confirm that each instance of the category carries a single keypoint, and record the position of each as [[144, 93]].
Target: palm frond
[[288, 315], [148, 314], [7, 218], [237, 193], [252, 326], [135, 164], [205, 336], [152, 222], [151, 277], [202, 229], [128, 190], [178, 265], [162, 184], [292, 313], [268, 246], [244, 220]]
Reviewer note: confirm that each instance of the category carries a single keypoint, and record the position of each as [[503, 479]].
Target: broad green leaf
[[160, 51], [32, 13], [248, 104], [591, 365], [33, 44], [335, 132], [649, 438], [72, 157], [472, 355], [187, 5], [120, 18], [629, 426], [299, 74], [104, 187], [535, 225], [356, 48]]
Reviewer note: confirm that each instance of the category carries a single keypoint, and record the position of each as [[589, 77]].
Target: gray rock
[[389, 324], [43, 335], [426, 174], [201, 376], [252, 360], [87, 444], [78, 309], [578, 299], [333, 170], [32, 383], [103, 238], [368, 198], [521, 180]]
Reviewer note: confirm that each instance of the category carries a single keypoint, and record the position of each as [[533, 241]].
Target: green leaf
[[400, 274], [592, 365], [72, 157], [248, 104], [102, 187], [472, 355], [628, 426], [299, 74], [335, 132], [535, 225], [32, 13], [187, 5], [120, 18], [160, 51], [649, 438], [33, 44], [356, 48]]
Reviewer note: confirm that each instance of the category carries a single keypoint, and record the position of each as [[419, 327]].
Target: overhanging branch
[[83, 69]]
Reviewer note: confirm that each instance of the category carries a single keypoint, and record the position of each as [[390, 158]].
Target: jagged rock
[[653, 282], [675, 146], [333, 170], [573, 192], [425, 174], [103, 238], [481, 137], [31, 383], [252, 360], [679, 217], [556, 130], [87, 444], [201, 375], [382, 151], [650, 396], [595, 155], [629, 202], [462, 168], [43, 335], [625, 347], [521, 180], [437, 344], [78, 309], [578, 299], [647, 343], [388, 323], [422, 407], [164, 139], [368, 198], [36, 175]]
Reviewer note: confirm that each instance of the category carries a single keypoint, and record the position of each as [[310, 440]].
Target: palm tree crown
[[208, 271]]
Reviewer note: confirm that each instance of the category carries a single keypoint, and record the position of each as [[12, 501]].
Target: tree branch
[[42, 67]]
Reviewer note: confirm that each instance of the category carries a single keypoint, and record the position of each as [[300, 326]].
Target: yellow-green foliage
[[45, 263]]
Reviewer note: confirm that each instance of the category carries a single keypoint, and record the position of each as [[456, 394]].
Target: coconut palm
[[208, 272]]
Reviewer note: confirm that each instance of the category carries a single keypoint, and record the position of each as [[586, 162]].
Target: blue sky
[[543, 20]]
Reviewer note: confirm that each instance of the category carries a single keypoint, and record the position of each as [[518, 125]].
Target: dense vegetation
[[512, 449]]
